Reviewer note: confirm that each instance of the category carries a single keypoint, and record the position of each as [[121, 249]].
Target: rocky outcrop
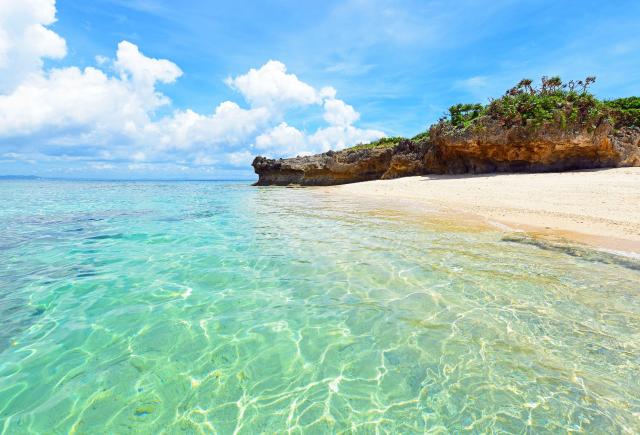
[[341, 167], [407, 159], [489, 147], [493, 148]]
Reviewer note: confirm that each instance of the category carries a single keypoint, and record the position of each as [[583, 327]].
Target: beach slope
[[597, 207]]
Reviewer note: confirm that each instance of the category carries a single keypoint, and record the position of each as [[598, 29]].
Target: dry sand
[[599, 207]]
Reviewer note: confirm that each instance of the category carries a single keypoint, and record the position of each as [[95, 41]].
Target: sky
[[159, 89]]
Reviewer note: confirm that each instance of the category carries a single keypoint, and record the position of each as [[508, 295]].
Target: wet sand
[[598, 207]]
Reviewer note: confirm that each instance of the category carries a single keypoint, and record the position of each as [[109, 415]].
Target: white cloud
[[104, 118], [328, 92], [71, 98], [24, 39], [19, 157], [101, 166], [281, 140], [271, 86], [229, 124], [340, 137], [240, 158], [102, 110], [289, 141], [337, 112], [142, 69], [204, 160]]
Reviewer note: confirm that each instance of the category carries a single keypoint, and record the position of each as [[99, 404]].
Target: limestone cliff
[[491, 148], [494, 148]]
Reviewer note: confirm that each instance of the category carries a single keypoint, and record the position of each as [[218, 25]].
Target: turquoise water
[[186, 307]]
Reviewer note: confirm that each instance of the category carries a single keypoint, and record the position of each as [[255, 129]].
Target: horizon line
[[38, 177]]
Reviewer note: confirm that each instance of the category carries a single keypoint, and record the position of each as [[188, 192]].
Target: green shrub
[[553, 102], [385, 142], [421, 137], [566, 107], [625, 111], [564, 103], [462, 115]]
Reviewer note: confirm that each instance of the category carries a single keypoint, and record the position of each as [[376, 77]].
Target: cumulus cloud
[[281, 140], [106, 116], [25, 40], [143, 69], [339, 137], [71, 98], [271, 86], [239, 158], [104, 110], [229, 124], [287, 140], [337, 112]]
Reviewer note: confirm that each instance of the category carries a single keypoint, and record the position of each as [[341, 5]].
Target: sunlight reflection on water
[[215, 307]]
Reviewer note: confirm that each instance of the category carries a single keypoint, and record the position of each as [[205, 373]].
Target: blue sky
[[165, 89]]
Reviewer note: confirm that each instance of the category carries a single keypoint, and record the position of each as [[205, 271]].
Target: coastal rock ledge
[[493, 148]]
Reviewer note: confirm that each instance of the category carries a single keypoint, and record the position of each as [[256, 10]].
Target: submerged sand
[[598, 207]]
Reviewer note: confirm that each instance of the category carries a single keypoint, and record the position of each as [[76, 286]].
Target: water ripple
[[220, 308]]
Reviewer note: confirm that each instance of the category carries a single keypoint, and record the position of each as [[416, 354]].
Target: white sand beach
[[597, 207]]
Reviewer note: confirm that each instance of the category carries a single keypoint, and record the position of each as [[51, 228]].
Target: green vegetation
[[385, 142], [625, 111], [390, 142], [553, 102], [421, 137], [567, 104], [462, 115]]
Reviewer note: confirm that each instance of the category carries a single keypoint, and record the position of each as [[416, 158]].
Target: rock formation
[[491, 148], [340, 167], [520, 149]]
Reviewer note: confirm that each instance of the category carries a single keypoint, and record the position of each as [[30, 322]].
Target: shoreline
[[599, 208]]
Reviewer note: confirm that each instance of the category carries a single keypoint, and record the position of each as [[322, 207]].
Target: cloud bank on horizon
[[108, 116]]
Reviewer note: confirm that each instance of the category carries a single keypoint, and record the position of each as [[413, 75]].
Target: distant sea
[[218, 307]]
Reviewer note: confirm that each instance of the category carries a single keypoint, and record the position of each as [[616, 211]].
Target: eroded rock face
[[407, 159], [519, 149], [324, 169], [492, 148]]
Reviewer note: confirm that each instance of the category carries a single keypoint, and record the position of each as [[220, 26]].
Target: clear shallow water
[[217, 307]]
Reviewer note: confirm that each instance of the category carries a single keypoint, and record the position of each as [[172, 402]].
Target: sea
[[190, 307]]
